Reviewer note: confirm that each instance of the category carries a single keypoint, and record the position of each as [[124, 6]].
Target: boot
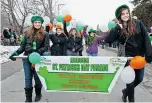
[[131, 100], [124, 96], [28, 93], [38, 94]]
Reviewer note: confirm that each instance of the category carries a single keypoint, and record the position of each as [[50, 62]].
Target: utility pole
[[59, 7]]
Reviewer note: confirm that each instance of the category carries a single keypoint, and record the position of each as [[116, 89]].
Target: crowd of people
[[70, 43], [9, 37]]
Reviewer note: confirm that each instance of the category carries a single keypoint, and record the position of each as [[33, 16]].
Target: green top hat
[[92, 31], [120, 7], [37, 18]]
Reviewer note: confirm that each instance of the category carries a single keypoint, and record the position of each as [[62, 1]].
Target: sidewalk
[[13, 91]]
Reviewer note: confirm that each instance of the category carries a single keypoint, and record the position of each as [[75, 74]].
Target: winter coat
[[93, 48], [73, 42], [27, 45], [137, 45], [59, 44], [6, 34]]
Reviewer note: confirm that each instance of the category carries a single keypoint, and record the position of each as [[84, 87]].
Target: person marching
[[134, 35], [92, 45], [59, 41], [35, 40], [74, 43]]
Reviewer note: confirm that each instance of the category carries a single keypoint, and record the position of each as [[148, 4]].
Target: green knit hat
[[92, 31], [37, 18], [120, 7]]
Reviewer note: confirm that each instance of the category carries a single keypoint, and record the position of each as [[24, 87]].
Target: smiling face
[[92, 34], [58, 31], [125, 15], [37, 24], [73, 32]]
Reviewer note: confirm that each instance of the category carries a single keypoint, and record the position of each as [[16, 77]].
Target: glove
[[13, 54], [149, 60]]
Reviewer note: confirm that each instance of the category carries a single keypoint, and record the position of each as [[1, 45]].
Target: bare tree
[[18, 10], [8, 5]]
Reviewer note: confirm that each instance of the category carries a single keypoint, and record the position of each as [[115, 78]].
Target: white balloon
[[128, 75], [104, 28], [28, 21], [46, 20], [65, 12]]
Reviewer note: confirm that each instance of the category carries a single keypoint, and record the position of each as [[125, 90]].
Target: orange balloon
[[51, 26], [67, 18], [138, 62]]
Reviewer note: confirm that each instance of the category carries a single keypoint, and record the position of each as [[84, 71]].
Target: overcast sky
[[93, 12]]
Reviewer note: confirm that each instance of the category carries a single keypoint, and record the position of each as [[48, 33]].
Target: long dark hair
[[131, 27], [77, 32]]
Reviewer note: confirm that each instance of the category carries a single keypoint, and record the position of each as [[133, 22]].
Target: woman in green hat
[[134, 35], [35, 40], [93, 40]]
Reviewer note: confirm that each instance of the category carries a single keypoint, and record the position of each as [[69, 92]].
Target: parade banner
[[85, 74]]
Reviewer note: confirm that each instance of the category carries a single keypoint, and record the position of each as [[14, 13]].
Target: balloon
[[59, 18], [104, 28], [65, 12], [111, 24], [138, 62], [34, 58], [79, 27], [67, 18], [46, 20], [28, 21], [50, 25], [67, 23], [128, 75]]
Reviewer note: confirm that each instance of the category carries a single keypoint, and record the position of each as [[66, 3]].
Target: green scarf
[[34, 41], [90, 40], [150, 38]]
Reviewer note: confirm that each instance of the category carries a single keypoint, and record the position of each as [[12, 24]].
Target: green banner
[[100, 77]]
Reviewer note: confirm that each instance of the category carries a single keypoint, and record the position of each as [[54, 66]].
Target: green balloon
[[67, 23], [34, 58], [79, 27], [111, 25], [59, 18]]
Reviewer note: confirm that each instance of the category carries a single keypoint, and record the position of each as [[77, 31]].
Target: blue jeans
[[29, 73], [139, 75], [92, 54]]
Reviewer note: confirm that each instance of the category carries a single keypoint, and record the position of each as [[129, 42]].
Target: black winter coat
[[73, 43], [137, 45], [59, 44], [27, 45], [6, 34]]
